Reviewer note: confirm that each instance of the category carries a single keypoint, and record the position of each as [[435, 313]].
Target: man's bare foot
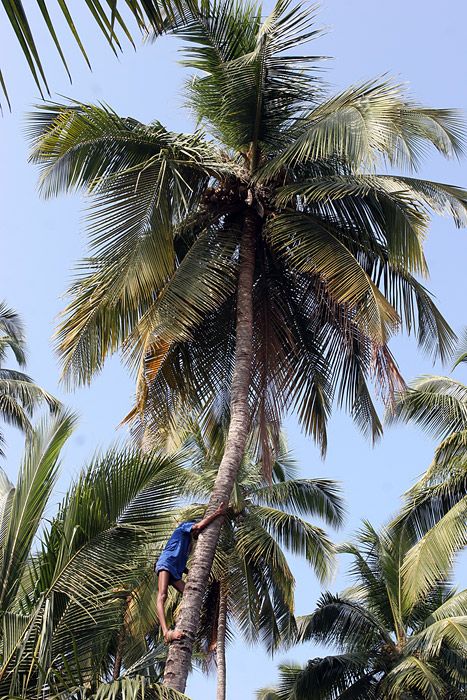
[[173, 635]]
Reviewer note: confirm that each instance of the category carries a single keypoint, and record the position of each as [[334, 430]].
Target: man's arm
[[198, 527]]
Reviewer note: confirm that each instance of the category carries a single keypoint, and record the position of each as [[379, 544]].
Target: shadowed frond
[[108, 17]]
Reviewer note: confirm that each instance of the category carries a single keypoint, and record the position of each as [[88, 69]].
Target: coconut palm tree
[[251, 585], [19, 395], [396, 640], [262, 262], [68, 584]]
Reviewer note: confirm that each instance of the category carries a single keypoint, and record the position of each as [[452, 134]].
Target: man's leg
[[179, 585], [163, 580]]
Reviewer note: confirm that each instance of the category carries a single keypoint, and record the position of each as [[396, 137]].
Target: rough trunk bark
[[179, 656], [220, 651], [118, 656]]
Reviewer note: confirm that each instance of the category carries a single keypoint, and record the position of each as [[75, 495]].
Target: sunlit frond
[[367, 124], [432, 557]]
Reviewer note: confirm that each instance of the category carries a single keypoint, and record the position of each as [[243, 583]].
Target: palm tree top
[[339, 244], [392, 640], [19, 395]]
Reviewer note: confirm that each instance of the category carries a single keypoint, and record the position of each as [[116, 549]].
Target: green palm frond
[[449, 455], [369, 123], [438, 404], [430, 500], [107, 17], [21, 388], [12, 412], [306, 496], [428, 561], [137, 687], [207, 275], [419, 314], [413, 675], [451, 631], [19, 395], [11, 334], [36, 479], [233, 46], [81, 145], [461, 352], [320, 679], [344, 622], [300, 538], [455, 605], [315, 250]]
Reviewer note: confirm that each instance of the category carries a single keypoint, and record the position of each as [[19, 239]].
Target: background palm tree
[[19, 395], [261, 263], [68, 585], [251, 585], [439, 405], [399, 636]]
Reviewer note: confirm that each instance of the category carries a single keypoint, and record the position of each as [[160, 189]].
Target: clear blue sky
[[420, 42]]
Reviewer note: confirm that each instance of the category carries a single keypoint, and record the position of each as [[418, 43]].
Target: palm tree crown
[[396, 641], [19, 395], [336, 244]]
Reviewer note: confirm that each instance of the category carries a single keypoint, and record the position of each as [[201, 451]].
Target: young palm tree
[[19, 395], [251, 585], [262, 262], [65, 584], [396, 641]]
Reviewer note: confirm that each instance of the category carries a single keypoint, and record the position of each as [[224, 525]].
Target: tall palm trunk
[[179, 656], [220, 650]]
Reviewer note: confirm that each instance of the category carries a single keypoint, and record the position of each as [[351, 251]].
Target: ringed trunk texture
[[179, 657], [220, 651]]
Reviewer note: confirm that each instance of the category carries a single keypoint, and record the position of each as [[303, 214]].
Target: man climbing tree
[[171, 565]]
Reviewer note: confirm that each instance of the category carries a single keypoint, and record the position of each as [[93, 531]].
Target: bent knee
[[162, 597]]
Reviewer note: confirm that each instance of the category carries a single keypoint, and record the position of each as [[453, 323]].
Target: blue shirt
[[175, 555]]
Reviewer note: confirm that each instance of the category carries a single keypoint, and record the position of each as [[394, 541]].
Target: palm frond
[[12, 334], [369, 123], [413, 675], [300, 538], [36, 479], [307, 496], [432, 557], [438, 404], [315, 250], [344, 622], [232, 46], [107, 17], [450, 631]]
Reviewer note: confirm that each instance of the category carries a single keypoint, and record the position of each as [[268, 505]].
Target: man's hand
[[221, 509]]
